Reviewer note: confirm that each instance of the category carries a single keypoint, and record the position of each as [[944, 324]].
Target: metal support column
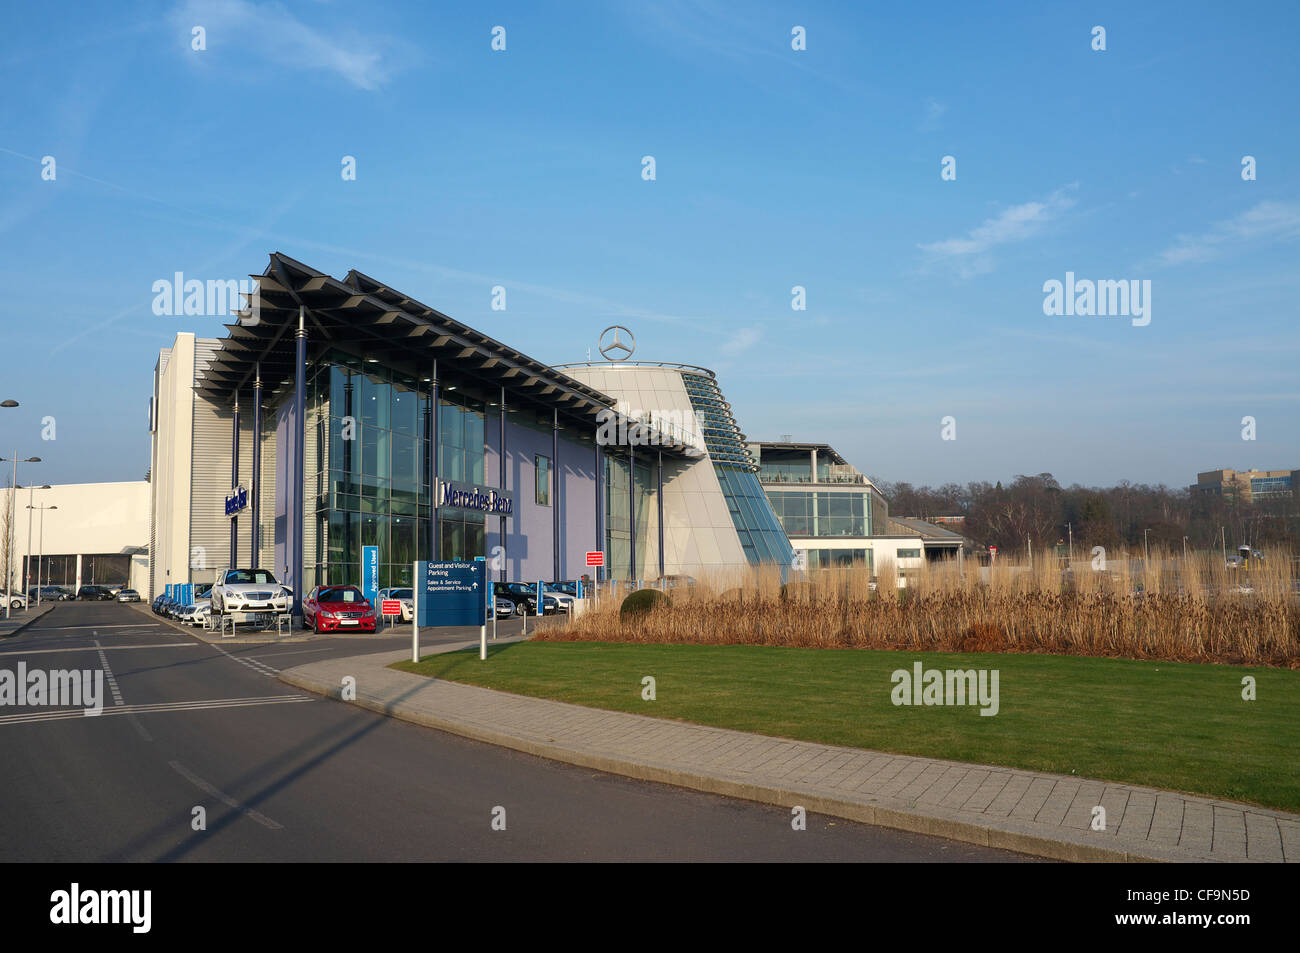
[[503, 481], [600, 504], [555, 491], [255, 494], [631, 512], [659, 495], [234, 485], [435, 543], [298, 488]]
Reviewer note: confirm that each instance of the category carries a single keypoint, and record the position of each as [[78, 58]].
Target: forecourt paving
[[285, 776], [1032, 812]]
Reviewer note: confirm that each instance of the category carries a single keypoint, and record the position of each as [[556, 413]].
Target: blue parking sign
[[451, 593]]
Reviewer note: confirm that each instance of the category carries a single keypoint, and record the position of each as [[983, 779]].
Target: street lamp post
[[27, 553], [41, 550], [10, 537]]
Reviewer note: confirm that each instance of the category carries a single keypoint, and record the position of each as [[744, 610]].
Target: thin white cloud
[[934, 111], [971, 253], [273, 33], [742, 340], [1277, 221]]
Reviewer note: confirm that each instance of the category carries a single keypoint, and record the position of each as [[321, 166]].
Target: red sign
[[595, 559], [391, 606]]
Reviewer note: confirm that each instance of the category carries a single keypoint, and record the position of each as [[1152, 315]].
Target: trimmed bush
[[642, 601]]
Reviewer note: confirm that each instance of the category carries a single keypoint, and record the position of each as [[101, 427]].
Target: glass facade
[[1270, 486], [812, 513], [373, 442], [833, 558], [760, 532], [618, 540]]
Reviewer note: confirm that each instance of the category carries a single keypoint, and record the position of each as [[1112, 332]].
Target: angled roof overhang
[[363, 316]]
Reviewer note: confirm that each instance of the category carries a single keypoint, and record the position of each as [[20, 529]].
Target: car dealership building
[[339, 413]]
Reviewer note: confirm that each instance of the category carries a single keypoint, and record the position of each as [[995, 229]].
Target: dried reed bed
[[1166, 608]]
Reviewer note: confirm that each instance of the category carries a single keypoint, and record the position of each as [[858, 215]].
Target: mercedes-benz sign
[[616, 345]]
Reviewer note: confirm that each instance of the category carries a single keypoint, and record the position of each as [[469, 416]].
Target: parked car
[[195, 614], [673, 582], [524, 597], [334, 608], [502, 608], [158, 603], [243, 591], [564, 599], [47, 594], [128, 595], [95, 594], [14, 600]]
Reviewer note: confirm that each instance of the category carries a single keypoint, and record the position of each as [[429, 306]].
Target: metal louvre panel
[[266, 501], [311, 484], [210, 482]]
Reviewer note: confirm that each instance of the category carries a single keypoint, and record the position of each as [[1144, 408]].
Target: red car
[[338, 608]]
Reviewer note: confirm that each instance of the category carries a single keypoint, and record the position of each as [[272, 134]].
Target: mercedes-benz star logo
[[617, 344]]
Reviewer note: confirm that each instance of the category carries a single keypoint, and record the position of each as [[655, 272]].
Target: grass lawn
[[1170, 725]]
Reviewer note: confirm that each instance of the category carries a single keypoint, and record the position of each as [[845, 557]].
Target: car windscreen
[[243, 577], [341, 595], [401, 594]]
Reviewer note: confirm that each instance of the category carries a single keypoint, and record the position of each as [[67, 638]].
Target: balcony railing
[[766, 476]]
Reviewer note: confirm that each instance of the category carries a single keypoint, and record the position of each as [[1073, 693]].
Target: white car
[[14, 600], [240, 592], [565, 599], [196, 614]]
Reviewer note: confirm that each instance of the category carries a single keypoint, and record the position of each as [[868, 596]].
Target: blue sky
[[774, 168]]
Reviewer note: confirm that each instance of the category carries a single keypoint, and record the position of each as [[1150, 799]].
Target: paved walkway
[[22, 618], [1045, 814]]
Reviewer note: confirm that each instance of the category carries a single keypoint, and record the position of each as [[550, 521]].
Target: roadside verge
[[1031, 812]]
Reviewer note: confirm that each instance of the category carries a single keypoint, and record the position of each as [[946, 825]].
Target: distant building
[[830, 511], [81, 534], [1247, 486]]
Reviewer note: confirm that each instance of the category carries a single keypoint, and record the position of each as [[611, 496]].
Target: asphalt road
[[287, 776]]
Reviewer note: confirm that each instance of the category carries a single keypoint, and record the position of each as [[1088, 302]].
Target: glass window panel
[[403, 531], [542, 475], [376, 399], [406, 465], [452, 426], [406, 407]]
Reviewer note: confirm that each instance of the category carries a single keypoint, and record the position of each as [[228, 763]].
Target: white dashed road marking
[[105, 648], [261, 668], [108, 674], [225, 799], [61, 714]]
